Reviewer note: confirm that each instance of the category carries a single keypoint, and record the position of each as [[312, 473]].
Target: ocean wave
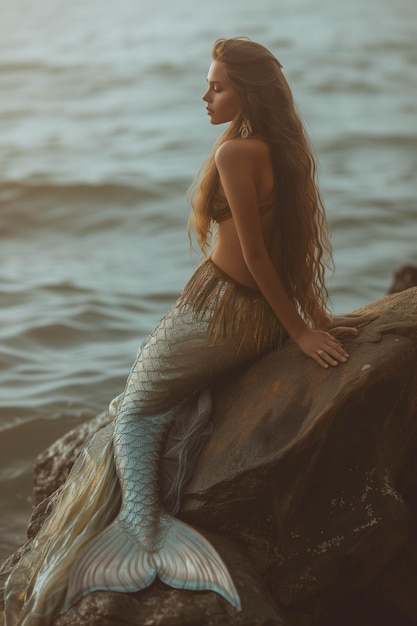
[[20, 66], [81, 208], [90, 192], [371, 140]]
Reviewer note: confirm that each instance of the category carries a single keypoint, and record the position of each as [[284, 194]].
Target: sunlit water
[[102, 129]]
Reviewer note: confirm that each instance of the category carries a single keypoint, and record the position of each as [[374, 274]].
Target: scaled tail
[[115, 561]]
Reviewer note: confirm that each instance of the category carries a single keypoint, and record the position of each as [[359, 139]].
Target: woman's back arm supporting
[[238, 165]]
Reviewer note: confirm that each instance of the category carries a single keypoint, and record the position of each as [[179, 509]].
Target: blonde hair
[[299, 247]]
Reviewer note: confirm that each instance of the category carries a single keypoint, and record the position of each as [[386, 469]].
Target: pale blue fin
[[112, 560], [115, 561], [188, 561]]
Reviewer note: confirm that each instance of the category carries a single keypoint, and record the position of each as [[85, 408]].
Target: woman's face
[[222, 105]]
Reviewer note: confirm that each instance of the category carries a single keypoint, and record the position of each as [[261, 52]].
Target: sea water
[[102, 129]]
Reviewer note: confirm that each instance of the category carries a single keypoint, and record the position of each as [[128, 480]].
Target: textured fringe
[[88, 502], [234, 310]]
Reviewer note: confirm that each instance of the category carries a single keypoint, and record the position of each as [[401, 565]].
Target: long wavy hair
[[299, 246]]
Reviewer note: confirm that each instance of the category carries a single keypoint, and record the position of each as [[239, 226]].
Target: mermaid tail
[[109, 528], [144, 541]]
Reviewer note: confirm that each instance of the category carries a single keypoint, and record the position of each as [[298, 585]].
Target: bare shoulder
[[241, 151]]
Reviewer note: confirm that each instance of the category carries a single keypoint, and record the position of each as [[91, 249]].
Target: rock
[[306, 487], [313, 471], [404, 278]]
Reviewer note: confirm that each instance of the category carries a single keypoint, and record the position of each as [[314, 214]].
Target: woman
[[263, 282]]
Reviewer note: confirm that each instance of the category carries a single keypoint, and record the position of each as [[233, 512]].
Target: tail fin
[[188, 561], [117, 562]]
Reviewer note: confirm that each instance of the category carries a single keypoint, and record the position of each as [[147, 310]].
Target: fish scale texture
[[137, 449], [145, 541], [113, 525]]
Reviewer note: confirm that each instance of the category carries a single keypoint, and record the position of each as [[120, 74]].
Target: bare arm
[[237, 169]]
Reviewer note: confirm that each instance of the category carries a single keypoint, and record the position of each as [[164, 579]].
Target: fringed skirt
[[234, 310], [216, 326]]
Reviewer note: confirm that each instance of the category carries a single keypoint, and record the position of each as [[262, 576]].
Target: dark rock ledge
[[307, 487]]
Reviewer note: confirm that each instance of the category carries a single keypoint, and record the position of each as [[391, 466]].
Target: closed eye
[[215, 86]]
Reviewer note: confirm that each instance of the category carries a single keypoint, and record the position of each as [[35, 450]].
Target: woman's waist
[[210, 285], [234, 268], [211, 289], [231, 309]]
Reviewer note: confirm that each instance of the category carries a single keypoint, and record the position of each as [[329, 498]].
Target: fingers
[[331, 353], [322, 347]]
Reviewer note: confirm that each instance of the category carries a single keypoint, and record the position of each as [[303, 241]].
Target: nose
[[205, 96]]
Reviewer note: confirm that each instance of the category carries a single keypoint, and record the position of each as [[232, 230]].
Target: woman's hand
[[322, 347]]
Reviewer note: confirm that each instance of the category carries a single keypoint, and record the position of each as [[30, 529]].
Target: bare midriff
[[228, 252]]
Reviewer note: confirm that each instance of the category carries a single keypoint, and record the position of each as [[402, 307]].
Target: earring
[[245, 129]]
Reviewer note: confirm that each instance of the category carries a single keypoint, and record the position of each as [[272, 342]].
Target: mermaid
[[113, 525]]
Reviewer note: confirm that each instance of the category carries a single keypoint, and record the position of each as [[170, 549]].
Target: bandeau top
[[220, 210]]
